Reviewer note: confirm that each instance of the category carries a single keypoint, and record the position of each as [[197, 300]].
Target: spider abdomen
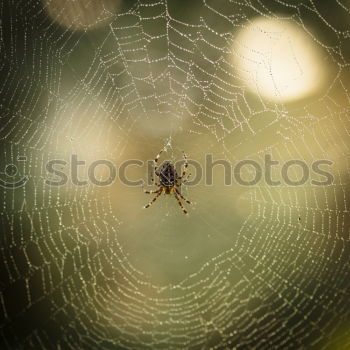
[[168, 175]]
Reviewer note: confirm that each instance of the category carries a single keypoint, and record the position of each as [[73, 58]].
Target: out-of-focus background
[[251, 267]]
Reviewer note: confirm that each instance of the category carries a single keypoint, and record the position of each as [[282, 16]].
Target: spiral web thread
[[67, 280]]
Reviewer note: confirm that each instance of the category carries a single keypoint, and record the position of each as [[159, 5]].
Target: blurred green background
[[251, 267]]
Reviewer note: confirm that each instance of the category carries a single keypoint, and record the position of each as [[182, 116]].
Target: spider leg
[[184, 181], [182, 197], [156, 162], [180, 204], [185, 166], [159, 192], [152, 179], [148, 192], [156, 184]]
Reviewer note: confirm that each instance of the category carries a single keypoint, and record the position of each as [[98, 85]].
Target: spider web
[[84, 267]]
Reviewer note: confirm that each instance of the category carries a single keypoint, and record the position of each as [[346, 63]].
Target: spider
[[168, 181]]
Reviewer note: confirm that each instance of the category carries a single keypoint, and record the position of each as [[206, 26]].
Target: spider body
[[168, 177], [169, 180]]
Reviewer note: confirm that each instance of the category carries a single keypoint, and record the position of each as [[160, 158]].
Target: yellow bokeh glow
[[278, 60]]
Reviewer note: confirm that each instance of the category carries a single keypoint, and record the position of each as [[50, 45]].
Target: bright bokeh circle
[[278, 60]]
